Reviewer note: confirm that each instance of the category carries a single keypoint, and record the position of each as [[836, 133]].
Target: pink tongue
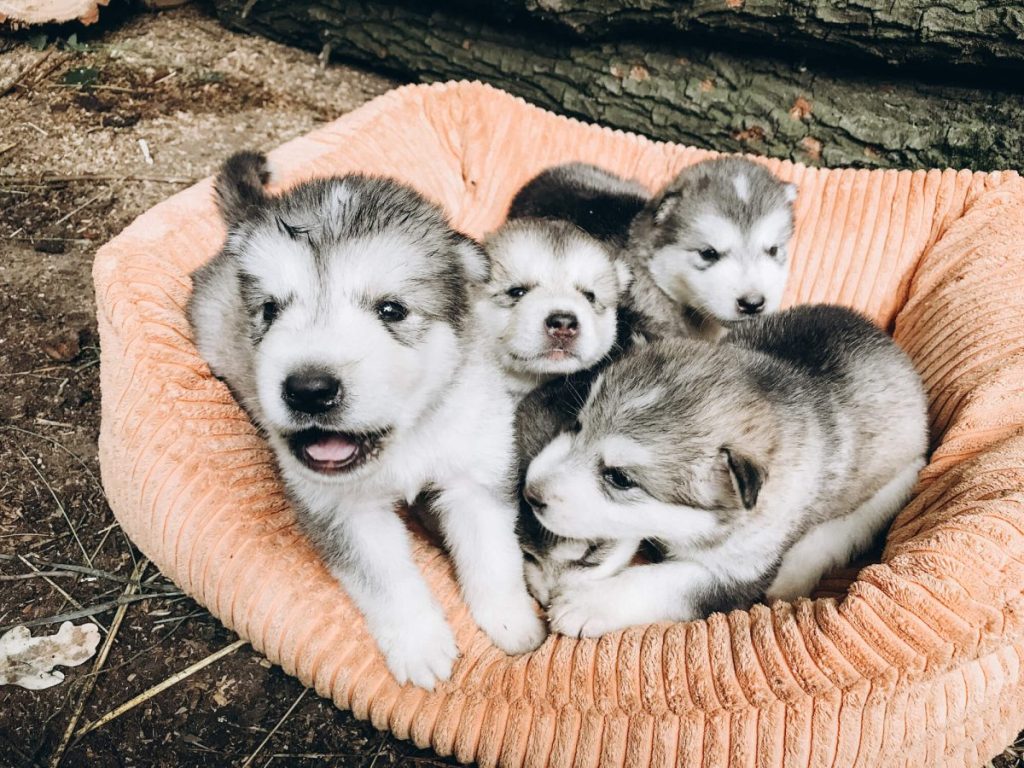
[[332, 449]]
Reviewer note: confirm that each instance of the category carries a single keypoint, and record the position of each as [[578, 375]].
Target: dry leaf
[[29, 661]]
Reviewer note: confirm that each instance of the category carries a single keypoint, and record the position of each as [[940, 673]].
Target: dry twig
[[60, 506], [151, 692], [10, 84], [269, 736], [101, 658]]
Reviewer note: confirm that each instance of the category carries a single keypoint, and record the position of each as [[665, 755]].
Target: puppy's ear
[[239, 185], [623, 274], [747, 476], [665, 207], [473, 258]]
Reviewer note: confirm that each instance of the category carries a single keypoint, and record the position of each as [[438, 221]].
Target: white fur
[[523, 256], [556, 572], [834, 542], [742, 187], [744, 269]]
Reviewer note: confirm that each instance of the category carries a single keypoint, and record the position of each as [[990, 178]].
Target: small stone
[[47, 245], [63, 347]]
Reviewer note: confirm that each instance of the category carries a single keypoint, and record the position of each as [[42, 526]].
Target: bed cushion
[[918, 663]]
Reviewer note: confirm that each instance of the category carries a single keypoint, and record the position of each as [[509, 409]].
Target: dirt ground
[[77, 121], [72, 175]]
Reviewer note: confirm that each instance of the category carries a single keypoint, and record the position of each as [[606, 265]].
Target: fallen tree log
[[985, 34], [689, 95]]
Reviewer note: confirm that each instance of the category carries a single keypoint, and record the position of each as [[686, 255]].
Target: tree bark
[[682, 94], [985, 34]]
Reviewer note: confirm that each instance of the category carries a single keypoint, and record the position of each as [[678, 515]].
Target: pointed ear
[[664, 208], [473, 258], [239, 185], [790, 191], [624, 275], [747, 477]]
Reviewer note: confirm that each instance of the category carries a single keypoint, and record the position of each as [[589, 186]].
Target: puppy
[[715, 241], [549, 307], [338, 313], [758, 464], [593, 210]]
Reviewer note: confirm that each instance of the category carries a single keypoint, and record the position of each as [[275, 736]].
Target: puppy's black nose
[[751, 304], [533, 498], [562, 325], [312, 391]]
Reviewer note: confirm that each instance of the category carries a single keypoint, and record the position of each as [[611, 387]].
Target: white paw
[[511, 623], [421, 653], [585, 611]]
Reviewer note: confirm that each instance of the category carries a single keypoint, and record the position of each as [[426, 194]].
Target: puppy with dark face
[[549, 307], [757, 464], [339, 315]]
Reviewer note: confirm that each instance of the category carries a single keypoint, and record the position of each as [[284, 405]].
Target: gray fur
[[667, 227], [799, 421]]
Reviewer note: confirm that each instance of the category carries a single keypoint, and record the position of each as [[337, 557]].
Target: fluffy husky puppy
[[338, 313], [592, 210], [757, 464], [550, 304], [715, 241]]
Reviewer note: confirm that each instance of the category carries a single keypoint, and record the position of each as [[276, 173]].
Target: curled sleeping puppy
[[757, 465], [339, 314]]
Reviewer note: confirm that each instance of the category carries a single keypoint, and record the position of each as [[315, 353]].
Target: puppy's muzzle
[[751, 304], [312, 391], [562, 326]]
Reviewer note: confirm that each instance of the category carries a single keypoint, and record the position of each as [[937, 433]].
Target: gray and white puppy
[[584, 210], [757, 464], [339, 315], [715, 241], [550, 305]]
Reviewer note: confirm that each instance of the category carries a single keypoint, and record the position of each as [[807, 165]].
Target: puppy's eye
[[589, 296], [710, 255], [392, 311], [617, 478], [517, 291], [773, 251], [270, 311]]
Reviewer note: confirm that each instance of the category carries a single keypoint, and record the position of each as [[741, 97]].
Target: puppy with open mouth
[[757, 464], [339, 315]]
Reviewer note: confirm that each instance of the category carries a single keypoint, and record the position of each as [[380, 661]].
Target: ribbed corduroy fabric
[[919, 664]]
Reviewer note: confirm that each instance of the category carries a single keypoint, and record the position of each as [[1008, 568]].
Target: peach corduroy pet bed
[[919, 664]]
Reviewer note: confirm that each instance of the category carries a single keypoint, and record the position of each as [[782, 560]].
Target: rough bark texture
[[688, 95], [978, 33]]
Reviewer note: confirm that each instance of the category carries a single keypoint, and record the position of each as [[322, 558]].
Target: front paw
[[421, 653], [512, 623], [585, 611]]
